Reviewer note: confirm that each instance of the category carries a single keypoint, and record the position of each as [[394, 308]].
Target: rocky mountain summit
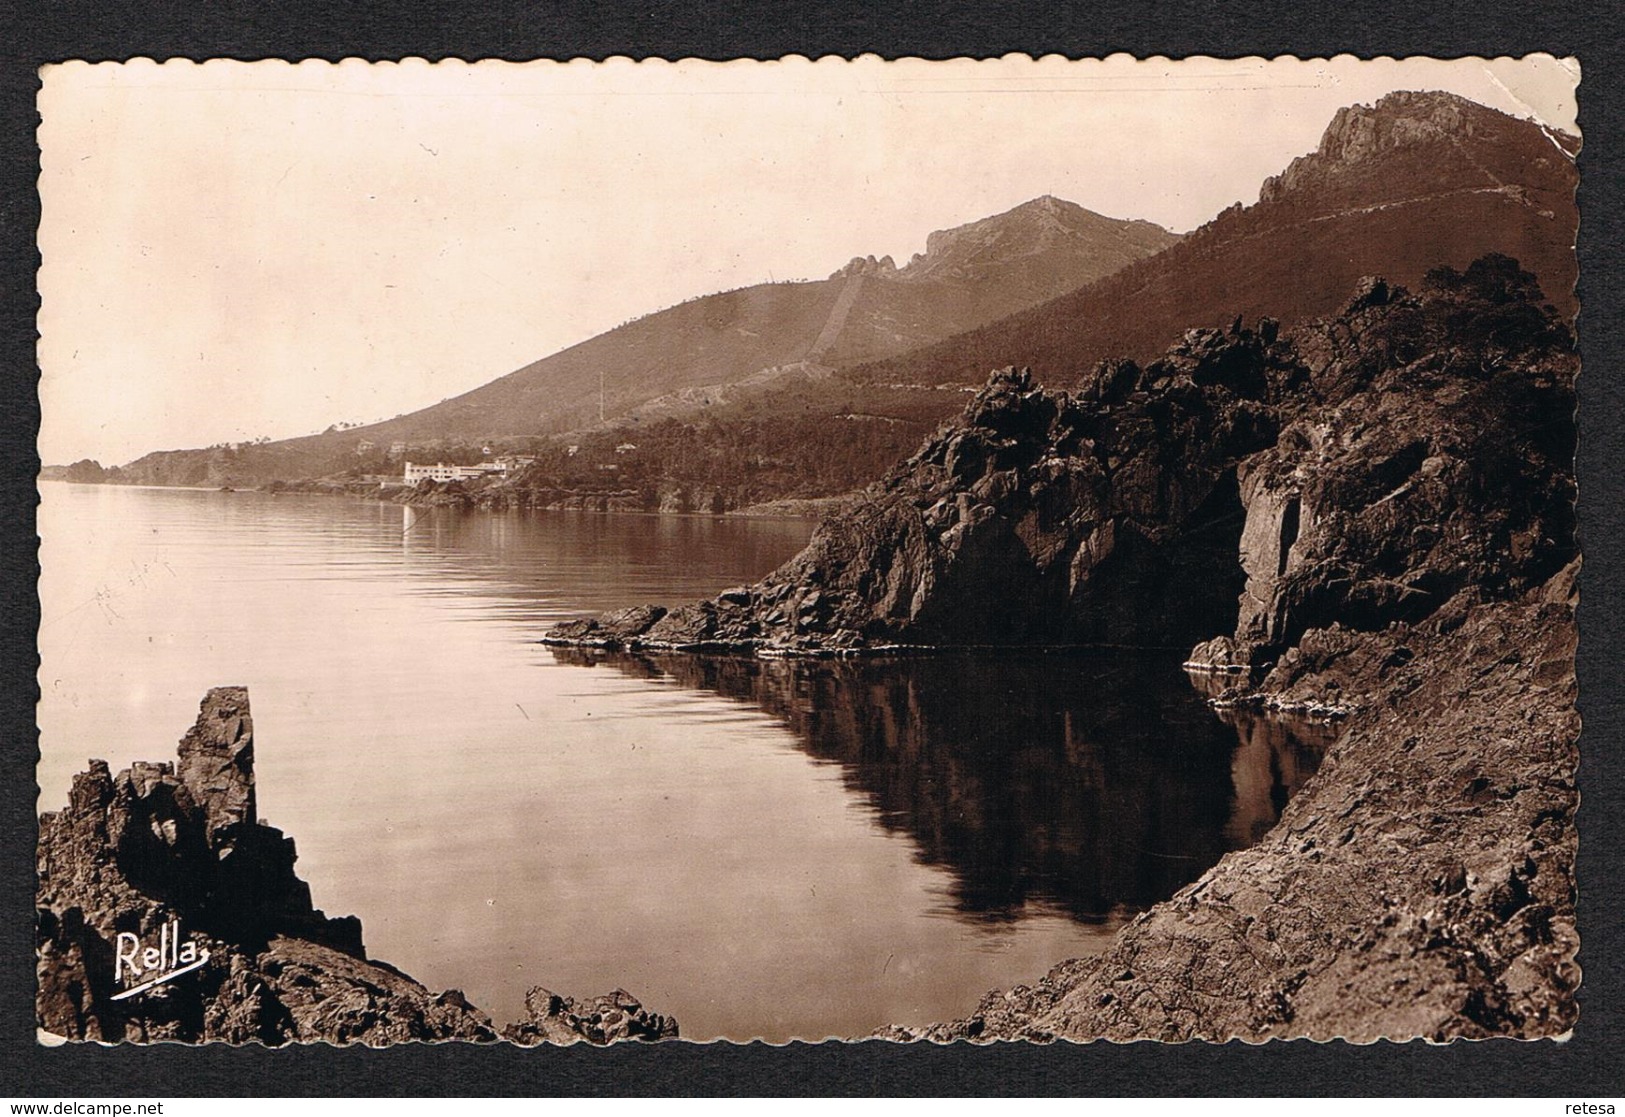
[[1420, 179], [1043, 233], [1433, 126], [168, 911], [1376, 509], [1047, 243]]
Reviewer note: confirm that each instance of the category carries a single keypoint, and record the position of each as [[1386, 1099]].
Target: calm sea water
[[763, 849]]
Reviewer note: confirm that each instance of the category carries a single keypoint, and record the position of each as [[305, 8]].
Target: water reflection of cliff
[[1091, 782]]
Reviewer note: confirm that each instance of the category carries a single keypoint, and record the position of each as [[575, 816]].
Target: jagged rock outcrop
[[168, 911], [1040, 517], [1411, 561], [867, 265], [1432, 456], [217, 762], [173, 857], [1364, 469], [610, 1018]]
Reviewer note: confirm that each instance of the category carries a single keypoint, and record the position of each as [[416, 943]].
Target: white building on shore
[[440, 471]]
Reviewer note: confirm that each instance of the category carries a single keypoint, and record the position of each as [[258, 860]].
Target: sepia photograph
[[917, 552]]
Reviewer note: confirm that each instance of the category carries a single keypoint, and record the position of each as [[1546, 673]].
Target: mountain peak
[[1398, 188], [1041, 226], [1400, 118], [1359, 135], [1048, 203], [867, 265]]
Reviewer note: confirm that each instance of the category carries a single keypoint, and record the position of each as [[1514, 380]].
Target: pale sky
[[241, 249]]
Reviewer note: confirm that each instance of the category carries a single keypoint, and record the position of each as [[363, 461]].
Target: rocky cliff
[[1411, 124], [1410, 559], [168, 911], [1023, 523], [1359, 471], [1430, 454], [1376, 509]]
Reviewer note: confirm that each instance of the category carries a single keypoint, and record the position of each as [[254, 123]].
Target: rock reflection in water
[[1093, 782], [1275, 755]]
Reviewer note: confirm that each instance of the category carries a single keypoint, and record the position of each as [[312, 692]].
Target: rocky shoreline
[[1377, 512], [1361, 471], [166, 910], [454, 494], [1379, 509], [1421, 884]]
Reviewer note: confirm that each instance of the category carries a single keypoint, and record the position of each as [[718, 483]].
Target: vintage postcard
[[897, 550]]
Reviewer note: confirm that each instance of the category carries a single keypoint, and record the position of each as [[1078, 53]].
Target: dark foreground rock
[[1411, 566], [168, 911], [175, 852], [615, 1016]]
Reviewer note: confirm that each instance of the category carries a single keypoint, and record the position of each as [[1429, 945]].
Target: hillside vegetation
[[968, 276], [1417, 181]]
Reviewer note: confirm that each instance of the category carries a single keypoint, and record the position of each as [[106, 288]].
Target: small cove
[[777, 849]]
